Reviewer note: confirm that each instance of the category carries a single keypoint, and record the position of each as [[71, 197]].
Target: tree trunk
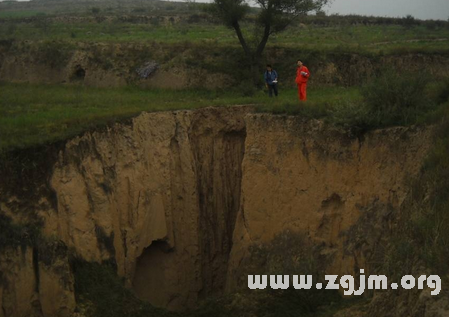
[[255, 70], [254, 57], [242, 41], [263, 41]]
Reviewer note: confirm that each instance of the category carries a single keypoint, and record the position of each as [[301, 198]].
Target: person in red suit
[[302, 76]]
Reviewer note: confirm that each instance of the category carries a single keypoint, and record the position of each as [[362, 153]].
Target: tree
[[409, 21], [273, 17]]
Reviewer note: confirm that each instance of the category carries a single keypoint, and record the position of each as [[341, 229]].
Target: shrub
[[55, 54], [351, 115], [11, 29], [99, 286], [42, 23], [291, 254], [96, 10], [422, 240], [394, 99], [194, 18], [154, 21], [15, 235], [431, 224], [409, 21], [247, 88], [443, 92]]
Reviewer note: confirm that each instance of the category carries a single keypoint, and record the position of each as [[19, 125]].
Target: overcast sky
[[421, 9]]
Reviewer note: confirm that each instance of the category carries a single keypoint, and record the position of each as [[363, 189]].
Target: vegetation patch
[[32, 115], [414, 239], [101, 293], [424, 234], [397, 99], [17, 235], [55, 54]]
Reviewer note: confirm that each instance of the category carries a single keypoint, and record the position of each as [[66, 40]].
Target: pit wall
[[306, 177], [175, 199]]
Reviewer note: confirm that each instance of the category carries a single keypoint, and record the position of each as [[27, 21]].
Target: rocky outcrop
[[175, 199]]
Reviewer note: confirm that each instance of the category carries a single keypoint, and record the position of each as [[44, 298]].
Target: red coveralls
[[301, 81]]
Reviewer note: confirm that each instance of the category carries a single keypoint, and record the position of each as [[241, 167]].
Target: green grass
[[117, 32], [20, 14], [40, 114], [37, 114], [20, 9], [75, 21], [370, 38]]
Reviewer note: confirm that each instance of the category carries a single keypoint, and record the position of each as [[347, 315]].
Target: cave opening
[[79, 73], [153, 270]]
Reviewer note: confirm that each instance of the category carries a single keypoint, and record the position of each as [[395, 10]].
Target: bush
[[54, 53], [103, 292], [194, 18], [15, 235], [42, 23], [394, 99], [11, 29], [443, 92], [422, 238], [291, 254], [409, 21], [351, 115], [431, 223], [96, 10], [247, 88], [154, 21]]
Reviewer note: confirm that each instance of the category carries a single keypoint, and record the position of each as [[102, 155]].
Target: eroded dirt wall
[[175, 199], [307, 177]]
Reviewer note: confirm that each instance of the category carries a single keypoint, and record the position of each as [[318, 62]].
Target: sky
[[420, 9]]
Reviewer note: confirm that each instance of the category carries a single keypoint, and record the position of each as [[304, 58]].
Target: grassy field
[[371, 38], [20, 13], [36, 114], [174, 22]]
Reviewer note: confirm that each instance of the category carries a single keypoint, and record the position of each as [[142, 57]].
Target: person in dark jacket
[[271, 81]]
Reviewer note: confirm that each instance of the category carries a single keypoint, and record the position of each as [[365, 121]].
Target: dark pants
[[272, 88]]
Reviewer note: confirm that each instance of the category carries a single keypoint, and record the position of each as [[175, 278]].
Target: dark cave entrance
[[79, 73], [153, 269]]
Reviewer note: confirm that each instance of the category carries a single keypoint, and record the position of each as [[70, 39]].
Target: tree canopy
[[274, 16]]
